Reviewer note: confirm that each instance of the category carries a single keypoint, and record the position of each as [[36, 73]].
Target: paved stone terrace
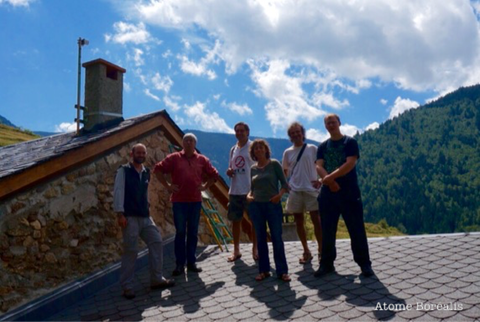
[[431, 270]]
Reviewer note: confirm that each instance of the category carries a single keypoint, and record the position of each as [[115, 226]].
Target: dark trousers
[[348, 203], [186, 216]]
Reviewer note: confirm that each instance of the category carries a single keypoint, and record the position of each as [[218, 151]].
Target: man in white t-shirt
[[239, 166], [302, 174]]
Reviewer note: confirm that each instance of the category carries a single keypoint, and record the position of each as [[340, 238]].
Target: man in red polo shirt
[[187, 169]]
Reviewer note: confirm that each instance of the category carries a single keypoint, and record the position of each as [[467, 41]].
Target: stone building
[[56, 193]]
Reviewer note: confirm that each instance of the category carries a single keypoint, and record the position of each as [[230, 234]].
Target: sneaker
[[179, 270], [367, 271], [324, 270], [128, 294], [166, 283], [194, 268]]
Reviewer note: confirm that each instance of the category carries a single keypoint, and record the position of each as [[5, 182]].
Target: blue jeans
[[262, 213], [186, 216]]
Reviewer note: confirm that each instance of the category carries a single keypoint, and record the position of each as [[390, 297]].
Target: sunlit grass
[[10, 135], [381, 229]]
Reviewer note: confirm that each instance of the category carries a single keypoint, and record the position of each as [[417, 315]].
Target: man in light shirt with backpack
[[299, 166]]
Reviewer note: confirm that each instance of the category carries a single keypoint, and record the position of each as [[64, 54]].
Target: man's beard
[[139, 160]]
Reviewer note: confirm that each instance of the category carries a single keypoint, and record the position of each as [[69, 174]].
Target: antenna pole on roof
[[81, 42]]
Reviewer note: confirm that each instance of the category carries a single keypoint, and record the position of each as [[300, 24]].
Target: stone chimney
[[103, 95]]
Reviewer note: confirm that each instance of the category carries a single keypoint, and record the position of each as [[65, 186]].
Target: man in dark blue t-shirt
[[340, 195]]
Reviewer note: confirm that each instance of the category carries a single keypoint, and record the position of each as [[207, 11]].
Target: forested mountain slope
[[421, 170]]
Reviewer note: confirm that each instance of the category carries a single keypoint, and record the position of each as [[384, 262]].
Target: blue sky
[[213, 63]]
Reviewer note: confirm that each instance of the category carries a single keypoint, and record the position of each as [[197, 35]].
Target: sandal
[[285, 278], [306, 258], [234, 258], [260, 277]]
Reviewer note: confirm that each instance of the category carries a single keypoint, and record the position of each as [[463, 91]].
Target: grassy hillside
[[381, 229], [10, 135]]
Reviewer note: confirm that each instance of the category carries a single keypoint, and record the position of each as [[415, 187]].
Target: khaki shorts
[[236, 206], [301, 201]]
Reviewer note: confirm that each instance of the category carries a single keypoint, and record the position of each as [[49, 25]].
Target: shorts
[[236, 206], [300, 201]]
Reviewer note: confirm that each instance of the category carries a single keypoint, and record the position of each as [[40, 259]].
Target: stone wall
[[64, 229]]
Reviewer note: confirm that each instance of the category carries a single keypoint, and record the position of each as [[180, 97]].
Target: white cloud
[[18, 3], [149, 94], [350, 130], [186, 43], [239, 109], [372, 126], [418, 45], [206, 120], [162, 83], [329, 100], [321, 136], [199, 69], [383, 101], [170, 102], [127, 87], [287, 100], [401, 105], [136, 57], [94, 51], [179, 120], [167, 54], [66, 127], [143, 78], [129, 33], [316, 135]]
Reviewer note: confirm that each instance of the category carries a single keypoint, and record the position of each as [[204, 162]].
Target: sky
[[213, 63]]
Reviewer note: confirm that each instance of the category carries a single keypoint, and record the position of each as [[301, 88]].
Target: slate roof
[[431, 270], [17, 157]]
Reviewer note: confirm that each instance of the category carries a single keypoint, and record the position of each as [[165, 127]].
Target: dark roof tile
[[372, 296], [415, 290], [469, 269], [352, 314], [343, 296], [472, 312], [428, 296], [412, 314], [24, 155]]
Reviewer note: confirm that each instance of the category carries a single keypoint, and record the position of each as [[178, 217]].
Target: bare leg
[[251, 235], [236, 225], [300, 223]]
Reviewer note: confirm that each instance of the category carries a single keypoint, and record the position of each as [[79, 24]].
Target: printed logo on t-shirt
[[239, 164]]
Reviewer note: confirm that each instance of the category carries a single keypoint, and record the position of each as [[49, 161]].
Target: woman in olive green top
[[265, 207]]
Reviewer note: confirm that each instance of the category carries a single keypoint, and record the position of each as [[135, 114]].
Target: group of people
[[321, 181]]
